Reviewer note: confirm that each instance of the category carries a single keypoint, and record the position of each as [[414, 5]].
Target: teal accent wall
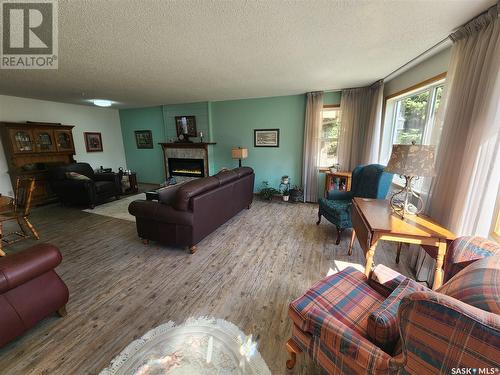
[[148, 163], [230, 124], [199, 110], [233, 125]]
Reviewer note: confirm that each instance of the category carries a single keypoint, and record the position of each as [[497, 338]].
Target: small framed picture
[[186, 125], [93, 141], [144, 138], [266, 138]]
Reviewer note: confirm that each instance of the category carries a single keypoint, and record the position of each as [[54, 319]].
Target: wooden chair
[[19, 211]]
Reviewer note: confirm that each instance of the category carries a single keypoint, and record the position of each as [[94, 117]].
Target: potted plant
[[285, 194], [267, 192]]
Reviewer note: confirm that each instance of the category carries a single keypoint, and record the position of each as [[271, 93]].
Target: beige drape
[[312, 129], [360, 130], [464, 191]]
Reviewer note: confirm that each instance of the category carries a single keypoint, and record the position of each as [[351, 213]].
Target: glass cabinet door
[[22, 140], [44, 140], [64, 140]]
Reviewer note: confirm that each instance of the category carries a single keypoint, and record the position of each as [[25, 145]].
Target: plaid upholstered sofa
[[389, 324]]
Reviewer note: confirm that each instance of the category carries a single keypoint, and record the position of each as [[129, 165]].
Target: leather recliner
[[99, 187], [187, 213], [30, 289]]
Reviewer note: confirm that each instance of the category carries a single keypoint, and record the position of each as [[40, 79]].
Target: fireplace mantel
[[186, 150], [187, 144]]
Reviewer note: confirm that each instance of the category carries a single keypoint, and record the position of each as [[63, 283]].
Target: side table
[[373, 220]]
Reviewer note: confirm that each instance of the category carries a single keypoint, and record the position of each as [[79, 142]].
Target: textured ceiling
[[163, 52]]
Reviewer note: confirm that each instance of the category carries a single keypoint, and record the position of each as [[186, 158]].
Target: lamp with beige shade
[[411, 162], [239, 153]]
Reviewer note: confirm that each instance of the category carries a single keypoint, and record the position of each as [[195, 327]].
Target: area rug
[[198, 346], [117, 208]]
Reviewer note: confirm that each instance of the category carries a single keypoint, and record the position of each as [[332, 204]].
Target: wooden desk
[[373, 220]]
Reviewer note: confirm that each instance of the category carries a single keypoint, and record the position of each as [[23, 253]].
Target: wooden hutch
[[31, 148]]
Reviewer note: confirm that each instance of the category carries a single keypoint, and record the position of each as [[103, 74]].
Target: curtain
[[360, 129], [464, 191], [312, 129]]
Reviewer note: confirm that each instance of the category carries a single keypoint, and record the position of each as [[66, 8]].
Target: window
[[329, 136], [411, 117]]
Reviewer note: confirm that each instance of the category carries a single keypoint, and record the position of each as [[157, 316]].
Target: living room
[[205, 187]]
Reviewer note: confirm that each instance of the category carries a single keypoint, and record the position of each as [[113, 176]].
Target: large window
[[329, 136], [411, 117]]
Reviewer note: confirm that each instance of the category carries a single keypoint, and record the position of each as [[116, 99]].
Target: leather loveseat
[[95, 189], [30, 290], [185, 214]]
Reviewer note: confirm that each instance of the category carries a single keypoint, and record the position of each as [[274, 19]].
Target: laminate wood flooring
[[247, 272]]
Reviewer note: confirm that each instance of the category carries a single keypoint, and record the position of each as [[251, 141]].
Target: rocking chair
[[19, 211]]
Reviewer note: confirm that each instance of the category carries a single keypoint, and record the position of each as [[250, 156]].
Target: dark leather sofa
[[98, 189], [185, 214], [30, 290]]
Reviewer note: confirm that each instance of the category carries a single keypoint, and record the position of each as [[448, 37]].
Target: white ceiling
[[140, 53]]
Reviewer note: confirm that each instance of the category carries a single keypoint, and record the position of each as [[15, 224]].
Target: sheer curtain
[[464, 191], [360, 129], [312, 128]]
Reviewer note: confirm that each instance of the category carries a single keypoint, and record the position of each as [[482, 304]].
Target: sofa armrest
[[385, 280], [349, 346], [156, 211], [440, 333], [466, 250], [21, 267], [167, 194], [335, 195]]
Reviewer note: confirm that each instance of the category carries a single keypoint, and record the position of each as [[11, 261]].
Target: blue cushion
[[337, 212]]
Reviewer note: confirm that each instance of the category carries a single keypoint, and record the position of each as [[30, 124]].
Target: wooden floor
[[247, 272]]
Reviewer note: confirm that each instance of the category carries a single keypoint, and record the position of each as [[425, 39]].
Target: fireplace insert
[[186, 167]]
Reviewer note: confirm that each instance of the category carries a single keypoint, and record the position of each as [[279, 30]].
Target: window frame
[[327, 107], [432, 83]]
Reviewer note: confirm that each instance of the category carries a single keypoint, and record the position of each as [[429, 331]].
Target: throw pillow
[[76, 176], [383, 328], [477, 284]]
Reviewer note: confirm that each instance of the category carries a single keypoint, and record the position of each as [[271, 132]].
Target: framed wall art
[[266, 137], [186, 125], [144, 138], [93, 141]]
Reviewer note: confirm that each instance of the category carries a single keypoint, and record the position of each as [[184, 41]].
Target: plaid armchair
[[389, 324], [368, 181]]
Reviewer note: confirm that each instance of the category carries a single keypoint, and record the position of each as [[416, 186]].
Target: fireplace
[[186, 167]]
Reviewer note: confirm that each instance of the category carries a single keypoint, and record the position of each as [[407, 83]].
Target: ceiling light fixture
[[102, 102]]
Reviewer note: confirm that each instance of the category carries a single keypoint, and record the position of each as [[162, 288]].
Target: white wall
[[426, 69], [84, 118]]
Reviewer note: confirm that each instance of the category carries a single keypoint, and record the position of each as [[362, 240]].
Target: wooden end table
[[373, 220]]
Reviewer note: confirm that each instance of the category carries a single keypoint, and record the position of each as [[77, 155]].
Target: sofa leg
[[145, 241], [249, 206], [339, 233], [319, 218], [293, 350], [62, 311], [192, 249]]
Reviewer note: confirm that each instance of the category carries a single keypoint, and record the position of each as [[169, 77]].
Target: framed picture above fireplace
[[186, 125]]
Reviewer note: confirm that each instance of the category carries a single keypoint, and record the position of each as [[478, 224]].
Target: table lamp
[[411, 162], [239, 153]]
